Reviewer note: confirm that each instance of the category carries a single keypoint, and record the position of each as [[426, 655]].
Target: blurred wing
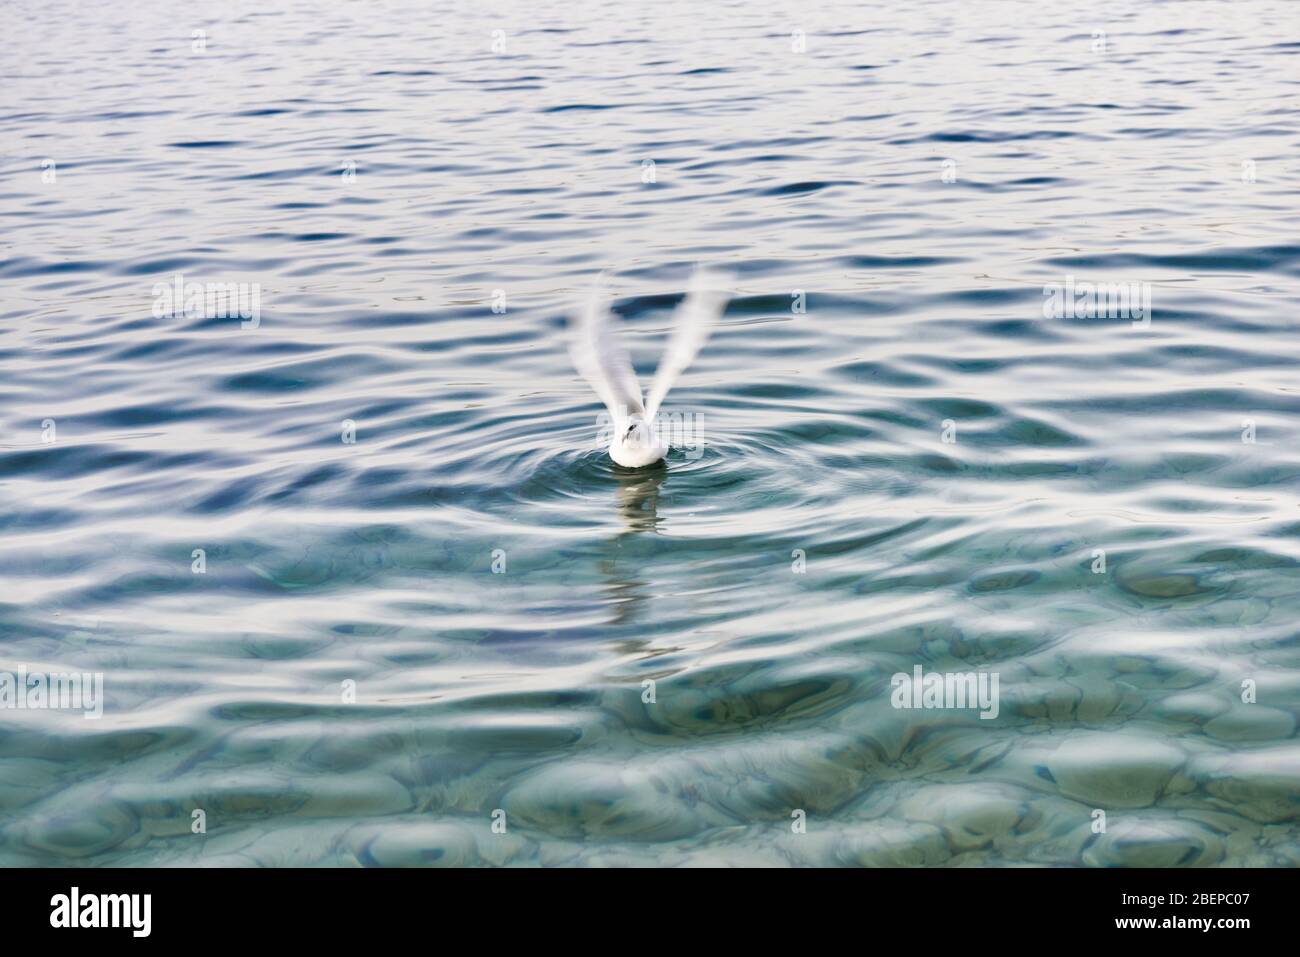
[[693, 322], [602, 361]]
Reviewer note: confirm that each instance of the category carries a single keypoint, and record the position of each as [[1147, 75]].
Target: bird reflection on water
[[638, 501], [638, 498]]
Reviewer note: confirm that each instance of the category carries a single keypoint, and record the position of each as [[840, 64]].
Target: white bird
[[603, 362]]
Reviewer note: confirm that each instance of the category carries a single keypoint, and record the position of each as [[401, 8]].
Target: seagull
[[604, 363]]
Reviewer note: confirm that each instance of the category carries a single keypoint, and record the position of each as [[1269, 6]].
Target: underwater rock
[[892, 844], [253, 802], [415, 843], [1262, 786], [1004, 580], [1190, 707], [347, 751], [729, 699], [24, 780], [369, 795], [893, 732], [770, 779], [1062, 832], [92, 829], [1103, 698], [585, 798], [1154, 585], [523, 734], [969, 815], [1086, 699], [299, 844], [1113, 770], [1252, 722], [1154, 842]]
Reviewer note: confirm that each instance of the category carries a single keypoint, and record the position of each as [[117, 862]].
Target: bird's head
[[637, 434]]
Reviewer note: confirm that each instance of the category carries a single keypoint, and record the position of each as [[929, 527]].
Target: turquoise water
[[392, 644]]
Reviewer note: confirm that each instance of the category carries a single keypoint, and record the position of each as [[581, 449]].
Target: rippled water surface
[[493, 591]]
